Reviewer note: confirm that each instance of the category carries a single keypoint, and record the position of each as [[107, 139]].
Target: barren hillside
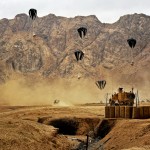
[[65, 128]]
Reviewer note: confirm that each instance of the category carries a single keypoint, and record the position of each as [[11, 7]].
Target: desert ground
[[66, 128]]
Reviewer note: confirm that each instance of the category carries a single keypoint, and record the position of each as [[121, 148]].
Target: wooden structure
[[140, 112]]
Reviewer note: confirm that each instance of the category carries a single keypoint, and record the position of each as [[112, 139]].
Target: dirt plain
[[65, 128]]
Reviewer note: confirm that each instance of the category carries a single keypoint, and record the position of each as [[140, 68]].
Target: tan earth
[[30, 128]]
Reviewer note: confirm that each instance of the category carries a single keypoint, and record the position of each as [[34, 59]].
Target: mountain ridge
[[105, 45]]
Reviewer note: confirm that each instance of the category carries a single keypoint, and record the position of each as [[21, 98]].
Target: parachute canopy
[[131, 42], [32, 13], [100, 84], [82, 31], [79, 55]]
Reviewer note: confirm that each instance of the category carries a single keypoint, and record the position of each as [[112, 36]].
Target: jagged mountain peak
[[135, 19], [21, 15]]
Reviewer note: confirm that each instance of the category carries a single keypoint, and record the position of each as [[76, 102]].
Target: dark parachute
[[131, 42], [100, 84], [79, 55], [32, 13], [82, 31]]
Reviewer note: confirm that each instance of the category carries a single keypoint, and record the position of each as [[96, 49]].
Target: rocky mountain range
[[50, 52]]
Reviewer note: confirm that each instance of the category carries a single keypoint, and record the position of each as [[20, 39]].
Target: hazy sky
[[107, 11]]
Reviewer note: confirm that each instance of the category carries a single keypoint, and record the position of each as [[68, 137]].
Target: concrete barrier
[[117, 112], [122, 111], [107, 112], [128, 112], [112, 111], [145, 112], [140, 112], [134, 113], [149, 112]]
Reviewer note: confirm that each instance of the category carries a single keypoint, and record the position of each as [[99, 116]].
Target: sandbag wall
[[140, 112]]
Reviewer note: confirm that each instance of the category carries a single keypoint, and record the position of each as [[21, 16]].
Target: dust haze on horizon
[[21, 92], [26, 91]]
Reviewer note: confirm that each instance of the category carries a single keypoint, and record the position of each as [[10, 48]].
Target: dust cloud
[[139, 79], [68, 91], [71, 91]]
